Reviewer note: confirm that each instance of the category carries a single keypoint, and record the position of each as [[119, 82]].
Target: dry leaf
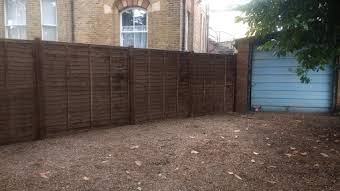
[[134, 147], [288, 155], [292, 148], [324, 155], [44, 174], [237, 131], [237, 176], [222, 137], [272, 167], [304, 154], [268, 144], [255, 153], [194, 152], [191, 137], [231, 173], [271, 182], [138, 163], [252, 160], [86, 178], [139, 188]]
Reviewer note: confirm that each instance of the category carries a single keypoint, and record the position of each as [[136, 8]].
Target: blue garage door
[[276, 87]]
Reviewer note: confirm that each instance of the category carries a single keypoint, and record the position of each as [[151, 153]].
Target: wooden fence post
[[7, 100], [191, 102], [90, 84], [39, 125], [131, 70]]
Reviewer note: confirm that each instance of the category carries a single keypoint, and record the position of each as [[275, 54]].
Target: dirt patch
[[229, 152]]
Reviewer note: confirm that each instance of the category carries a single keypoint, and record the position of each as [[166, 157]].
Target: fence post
[[191, 102], [164, 81], [39, 125], [6, 93], [234, 68], [90, 84], [131, 70]]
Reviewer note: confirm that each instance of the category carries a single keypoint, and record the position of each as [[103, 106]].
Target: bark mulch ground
[[229, 152]]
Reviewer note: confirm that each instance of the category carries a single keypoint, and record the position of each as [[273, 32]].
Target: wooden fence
[[52, 87]]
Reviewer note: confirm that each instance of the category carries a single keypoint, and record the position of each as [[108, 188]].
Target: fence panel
[[51, 87]]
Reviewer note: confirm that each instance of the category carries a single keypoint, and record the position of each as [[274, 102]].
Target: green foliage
[[306, 28]]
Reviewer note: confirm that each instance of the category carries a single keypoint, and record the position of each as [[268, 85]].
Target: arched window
[[134, 30]]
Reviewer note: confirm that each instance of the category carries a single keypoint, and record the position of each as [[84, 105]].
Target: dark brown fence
[[50, 87]]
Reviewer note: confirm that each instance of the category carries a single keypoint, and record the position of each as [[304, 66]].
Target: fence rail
[[51, 87]]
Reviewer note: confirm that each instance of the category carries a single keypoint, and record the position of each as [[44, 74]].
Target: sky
[[222, 18]]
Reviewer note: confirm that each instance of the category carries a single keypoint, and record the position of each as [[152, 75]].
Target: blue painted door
[[276, 87]]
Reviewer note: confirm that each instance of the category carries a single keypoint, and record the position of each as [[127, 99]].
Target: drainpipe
[[72, 22], [184, 25]]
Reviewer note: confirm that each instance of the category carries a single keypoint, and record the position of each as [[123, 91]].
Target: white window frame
[[56, 20], [5, 21], [121, 25]]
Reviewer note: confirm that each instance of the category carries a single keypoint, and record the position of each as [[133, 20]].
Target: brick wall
[[2, 20], [33, 19], [242, 69], [98, 22]]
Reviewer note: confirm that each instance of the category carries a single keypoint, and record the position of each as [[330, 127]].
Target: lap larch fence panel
[[53, 87]]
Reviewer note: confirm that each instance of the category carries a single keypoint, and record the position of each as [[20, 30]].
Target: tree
[[306, 28]]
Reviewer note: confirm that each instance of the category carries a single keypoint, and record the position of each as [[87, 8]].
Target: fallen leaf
[[222, 137], [138, 163], [191, 137], [316, 165], [177, 168], [134, 147], [139, 183], [324, 155], [252, 160], [127, 172], [288, 155], [267, 138], [272, 166], [247, 129], [162, 176], [194, 152], [236, 137], [237, 176], [292, 148], [255, 153], [237, 131], [44, 174], [268, 144], [105, 161], [139, 188], [271, 182], [86, 178], [304, 154], [231, 173]]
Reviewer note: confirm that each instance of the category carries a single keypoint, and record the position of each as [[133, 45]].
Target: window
[[15, 19], [134, 28], [49, 19]]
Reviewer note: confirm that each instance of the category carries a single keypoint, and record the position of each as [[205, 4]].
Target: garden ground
[[225, 152]]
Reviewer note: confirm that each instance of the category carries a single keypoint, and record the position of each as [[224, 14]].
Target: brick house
[[159, 24]]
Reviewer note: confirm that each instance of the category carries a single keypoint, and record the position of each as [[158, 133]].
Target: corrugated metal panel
[[276, 87]]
